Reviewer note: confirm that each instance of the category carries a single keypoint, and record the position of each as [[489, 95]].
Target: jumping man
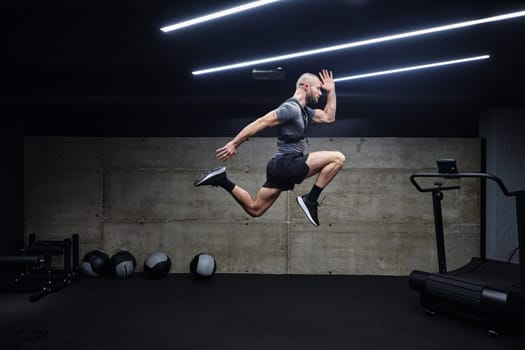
[[290, 165]]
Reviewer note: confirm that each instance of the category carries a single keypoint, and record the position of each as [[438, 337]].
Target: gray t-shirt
[[292, 123]]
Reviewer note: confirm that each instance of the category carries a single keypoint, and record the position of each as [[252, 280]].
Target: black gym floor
[[232, 312]]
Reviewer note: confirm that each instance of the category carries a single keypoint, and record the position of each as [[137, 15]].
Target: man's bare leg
[[254, 207], [326, 164], [258, 206]]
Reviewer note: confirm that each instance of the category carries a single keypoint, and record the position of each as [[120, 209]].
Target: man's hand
[[327, 80], [227, 151]]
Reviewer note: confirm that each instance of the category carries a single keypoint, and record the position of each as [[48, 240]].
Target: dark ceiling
[[114, 51]]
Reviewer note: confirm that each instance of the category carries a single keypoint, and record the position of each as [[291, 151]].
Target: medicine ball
[[203, 266], [157, 265], [95, 263], [122, 264]]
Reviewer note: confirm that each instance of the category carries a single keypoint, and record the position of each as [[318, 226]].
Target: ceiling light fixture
[[362, 42], [406, 69], [215, 15]]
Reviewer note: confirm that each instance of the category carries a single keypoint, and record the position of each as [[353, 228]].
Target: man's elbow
[[330, 119]]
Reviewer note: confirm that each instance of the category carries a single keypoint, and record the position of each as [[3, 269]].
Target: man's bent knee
[[258, 208], [255, 212], [339, 158]]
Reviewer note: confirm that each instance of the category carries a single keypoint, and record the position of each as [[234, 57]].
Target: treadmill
[[485, 290]]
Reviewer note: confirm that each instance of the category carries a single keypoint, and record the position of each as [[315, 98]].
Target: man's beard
[[310, 101]]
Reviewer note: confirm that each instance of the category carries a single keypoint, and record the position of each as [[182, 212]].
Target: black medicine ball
[[157, 265], [95, 263], [203, 266], [123, 264]]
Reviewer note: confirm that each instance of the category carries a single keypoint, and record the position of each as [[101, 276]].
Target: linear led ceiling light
[[363, 42], [406, 69], [212, 16]]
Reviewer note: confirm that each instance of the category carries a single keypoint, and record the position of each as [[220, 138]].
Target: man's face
[[313, 93]]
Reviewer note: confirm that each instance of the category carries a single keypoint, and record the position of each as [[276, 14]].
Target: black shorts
[[284, 172]]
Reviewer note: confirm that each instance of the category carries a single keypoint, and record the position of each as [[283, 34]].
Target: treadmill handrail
[[494, 178]]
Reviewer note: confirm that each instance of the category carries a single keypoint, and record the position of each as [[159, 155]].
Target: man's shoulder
[[290, 102], [289, 106]]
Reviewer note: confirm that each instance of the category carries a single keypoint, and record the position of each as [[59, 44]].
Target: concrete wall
[[137, 194]]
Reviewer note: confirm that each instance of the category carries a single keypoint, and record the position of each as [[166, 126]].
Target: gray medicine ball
[[157, 265], [203, 266], [122, 264], [95, 263]]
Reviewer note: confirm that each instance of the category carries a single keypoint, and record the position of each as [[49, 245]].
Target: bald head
[[307, 78]]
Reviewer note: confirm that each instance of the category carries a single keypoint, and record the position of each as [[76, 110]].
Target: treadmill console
[[447, 166]]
